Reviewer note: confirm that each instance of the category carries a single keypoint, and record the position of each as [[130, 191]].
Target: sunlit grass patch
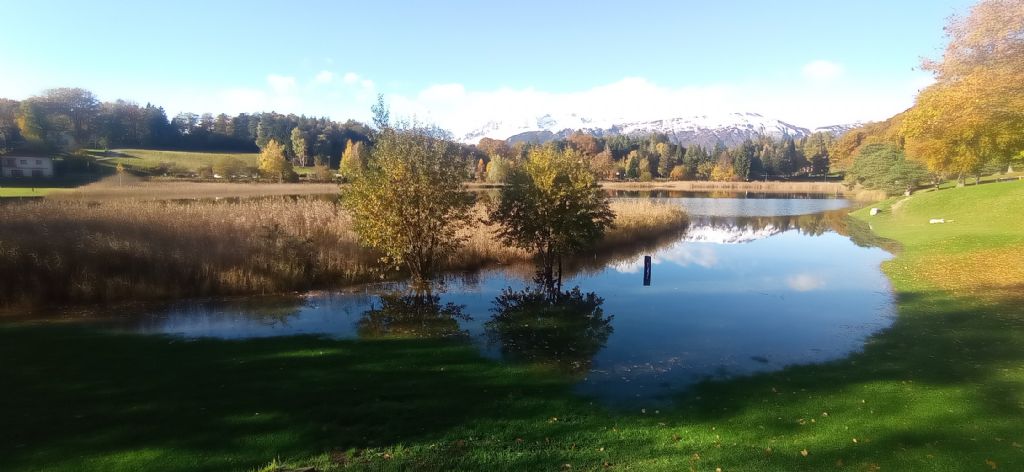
[[976, 251], [986, 273], [144, 159], [25, 191]]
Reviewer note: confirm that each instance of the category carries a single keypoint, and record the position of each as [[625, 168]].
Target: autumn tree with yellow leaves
[[273, 163], [974, 113]]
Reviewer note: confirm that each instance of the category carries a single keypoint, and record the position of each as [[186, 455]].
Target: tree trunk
[[559, 273]]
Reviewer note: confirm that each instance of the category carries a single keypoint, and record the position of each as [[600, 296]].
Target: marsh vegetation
[[72, 251]]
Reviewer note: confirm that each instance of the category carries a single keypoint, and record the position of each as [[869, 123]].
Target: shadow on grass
[[939, 390], [74, 398], [67, 180], [109, 154]]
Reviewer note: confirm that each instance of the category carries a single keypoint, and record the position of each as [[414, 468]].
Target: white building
[[26, 166]]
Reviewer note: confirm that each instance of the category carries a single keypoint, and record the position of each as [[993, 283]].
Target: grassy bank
[[121, 249], [939, 390], [135, 189], [978, 252]]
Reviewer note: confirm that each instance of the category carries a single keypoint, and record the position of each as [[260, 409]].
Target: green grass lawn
[[942, 389], [984, 179], [144, 159], [978, 252]]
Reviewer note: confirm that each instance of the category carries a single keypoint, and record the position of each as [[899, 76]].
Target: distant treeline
[[66, 119], [654, 156]]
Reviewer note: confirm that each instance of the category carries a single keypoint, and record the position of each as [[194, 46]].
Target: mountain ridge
[[705, 130]]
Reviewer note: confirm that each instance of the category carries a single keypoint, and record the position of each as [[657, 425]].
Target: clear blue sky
[[212, 55]]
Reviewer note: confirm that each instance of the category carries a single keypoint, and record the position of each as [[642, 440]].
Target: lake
[[754, 284]]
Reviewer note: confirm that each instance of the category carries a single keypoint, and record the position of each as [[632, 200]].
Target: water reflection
[[700, 244], [413, 315], [226, 318], [739, 205], [564, 329]]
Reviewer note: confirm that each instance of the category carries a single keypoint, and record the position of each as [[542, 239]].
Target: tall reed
[[57, 251]]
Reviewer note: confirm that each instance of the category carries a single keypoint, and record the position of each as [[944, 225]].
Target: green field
[[25, 191], [145, 159], [942, 389]]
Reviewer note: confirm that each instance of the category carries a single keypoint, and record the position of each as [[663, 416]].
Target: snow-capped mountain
[[837, 130], [548, 122], [729, 234], [705, 130]]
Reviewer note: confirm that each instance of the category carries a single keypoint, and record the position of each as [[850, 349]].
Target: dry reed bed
[[57, 251]]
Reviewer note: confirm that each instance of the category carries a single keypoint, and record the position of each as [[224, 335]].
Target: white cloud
[[281, 84], [454, 106], [805, 282], [462, 109], [322, 94], [822, 70], [682, 254], [324, 77], [244, 99]]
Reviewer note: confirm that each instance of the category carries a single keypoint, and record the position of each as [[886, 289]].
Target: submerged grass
[[939, 390], [73, 251]]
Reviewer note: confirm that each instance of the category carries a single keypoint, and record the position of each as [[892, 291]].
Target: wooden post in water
[[647, 271]]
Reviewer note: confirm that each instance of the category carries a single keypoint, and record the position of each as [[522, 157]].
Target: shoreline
[[160, 190]]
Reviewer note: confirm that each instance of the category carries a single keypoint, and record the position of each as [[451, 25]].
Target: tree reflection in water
[[416, 314], [547, 326]]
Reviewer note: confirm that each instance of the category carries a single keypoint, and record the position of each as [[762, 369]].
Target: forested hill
[[69, 118]]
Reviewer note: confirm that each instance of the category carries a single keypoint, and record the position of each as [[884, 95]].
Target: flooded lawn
[[755, 283]]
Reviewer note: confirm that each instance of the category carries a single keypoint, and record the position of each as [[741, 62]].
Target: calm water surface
[[756, 283]]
